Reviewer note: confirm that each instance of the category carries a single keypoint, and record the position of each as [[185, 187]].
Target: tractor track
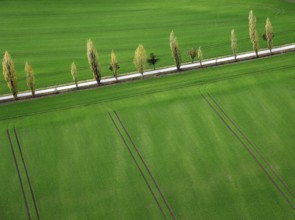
[[27, 175], [249, 151], [145, 165], [137, 165], [253, 146], [19, 176]]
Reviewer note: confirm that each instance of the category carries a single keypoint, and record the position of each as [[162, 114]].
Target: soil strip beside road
[[19, 176], [186, 84], [27, 174], [253, 146], [249, 151], [147, 168], [137, 165]]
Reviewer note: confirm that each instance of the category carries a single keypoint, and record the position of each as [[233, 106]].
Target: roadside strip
[[111, 80]]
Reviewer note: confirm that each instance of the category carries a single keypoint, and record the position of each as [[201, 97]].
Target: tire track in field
[[19, 176], [253, 146], [27, 174], [145, 165], [137, 165], [249, 151], [185, 84]]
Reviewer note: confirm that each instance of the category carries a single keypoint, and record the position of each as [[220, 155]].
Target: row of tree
[[140, 57]]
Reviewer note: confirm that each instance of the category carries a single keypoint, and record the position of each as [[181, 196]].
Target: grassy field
[[209, 144], [53, 34]]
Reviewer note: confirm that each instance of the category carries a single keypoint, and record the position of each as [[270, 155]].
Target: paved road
[[209, 62]]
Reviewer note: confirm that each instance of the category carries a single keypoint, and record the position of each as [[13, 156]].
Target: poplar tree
[[200, 55], [234, 43], [74, 73], [114, 64], [268, 34], [9, 74], [174, 46], [30, 78], [253, 32], [140, 58], [93, 61], [193, 53]]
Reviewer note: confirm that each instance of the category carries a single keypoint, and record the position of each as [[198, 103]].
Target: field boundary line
[[185, 84], [147, 168], [27, 174], [137, 165], [248, 150], [19, 176], [253, 146]]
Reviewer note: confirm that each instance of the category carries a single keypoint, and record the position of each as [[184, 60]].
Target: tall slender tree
[[200, 56], [74, 73], [174, 46], [140, 59], [234, 43], [30, 78], [192, 53], [253, 32], [9, 74], [268, 34], [93, 61], [114, 66]]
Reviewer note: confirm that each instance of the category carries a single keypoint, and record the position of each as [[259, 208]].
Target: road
[[209, 62]]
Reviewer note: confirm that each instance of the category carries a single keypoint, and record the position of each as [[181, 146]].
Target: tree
[[200, 55], [114, 66], [74, 73], [175, 50], [268, 34], [153, 60], [93, 61], [193, 53], [234, 43], [30, 78], [140, 58], [9, 74], [253, 32]]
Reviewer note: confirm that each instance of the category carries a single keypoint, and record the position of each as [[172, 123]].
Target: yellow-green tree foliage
[[200, 55], [253, 32], [174, 46], [193, 53], [268, 34], [140, 58], [114, 64], [74, 73], [30, 78], [93, 61], [234, 43], [9, 74]]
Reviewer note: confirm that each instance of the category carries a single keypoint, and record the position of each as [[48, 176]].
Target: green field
[[219, 143], [53, 34]]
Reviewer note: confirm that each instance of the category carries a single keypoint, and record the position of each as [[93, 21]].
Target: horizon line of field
[[19, 173], [251, 148], [142, 166], [62, 88], [178, 86]]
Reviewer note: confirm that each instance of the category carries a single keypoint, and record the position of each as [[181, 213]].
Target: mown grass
[[53, 34], [80, 168]]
